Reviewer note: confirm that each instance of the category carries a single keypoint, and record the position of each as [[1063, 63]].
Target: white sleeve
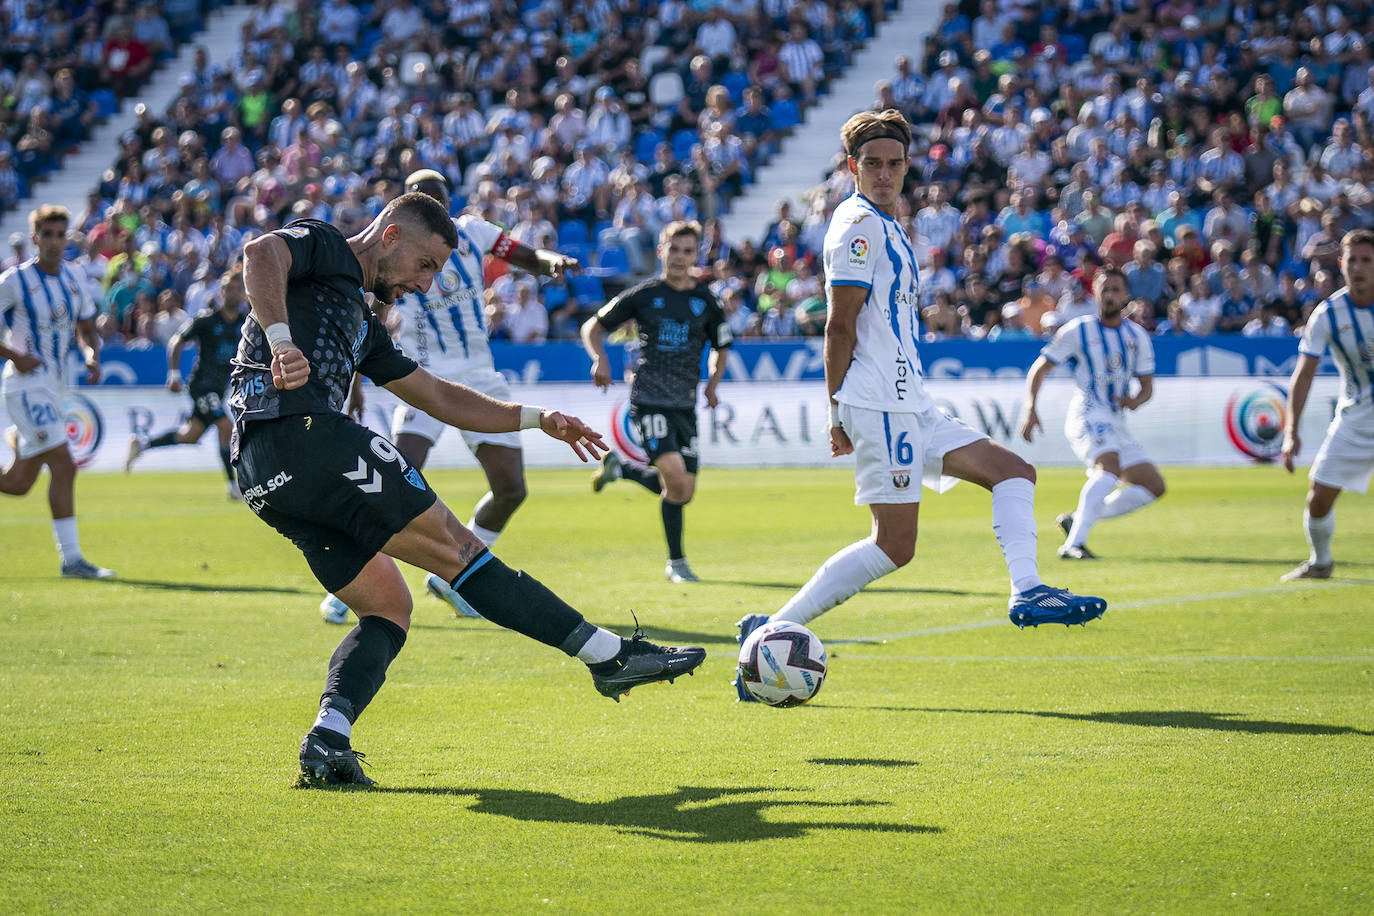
[[482, 233], [1064, 346], [849, 251], [1316, 334], [9, 297], [86, 309], [1145, 351]]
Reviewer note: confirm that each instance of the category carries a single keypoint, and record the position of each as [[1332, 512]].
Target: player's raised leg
[[1011, 481]]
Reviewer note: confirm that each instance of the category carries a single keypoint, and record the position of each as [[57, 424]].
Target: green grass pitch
[[1205, 746]]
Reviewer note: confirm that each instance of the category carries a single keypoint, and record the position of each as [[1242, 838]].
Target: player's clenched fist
[[290, 368]]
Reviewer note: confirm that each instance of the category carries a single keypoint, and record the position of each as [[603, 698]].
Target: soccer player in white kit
[[881, 412], [42, 302], [1344, 322], [445, 331], [1106, 353]]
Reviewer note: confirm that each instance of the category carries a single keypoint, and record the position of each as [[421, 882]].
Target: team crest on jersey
[[412, 476], [658, 302], [901, 479], [297, 232], [858, 251], [698, 305], [447, 281]]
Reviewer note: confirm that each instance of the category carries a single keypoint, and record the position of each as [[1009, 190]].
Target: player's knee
[[1019, 467], [509, 494]]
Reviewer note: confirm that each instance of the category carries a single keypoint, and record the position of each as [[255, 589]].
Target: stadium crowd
[[1216, 151]]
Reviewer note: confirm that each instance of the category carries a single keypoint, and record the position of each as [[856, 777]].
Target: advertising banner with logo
[[801, 360], [1221, 421]]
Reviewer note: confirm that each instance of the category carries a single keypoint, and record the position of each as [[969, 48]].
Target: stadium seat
[[574, 231], [683, 141], [613, 261], [587, 290], [652, 57], [646, 143]]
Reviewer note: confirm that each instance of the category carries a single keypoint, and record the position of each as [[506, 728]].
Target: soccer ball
[[782, 664]]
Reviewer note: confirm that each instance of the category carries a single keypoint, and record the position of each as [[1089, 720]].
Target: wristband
[[835, 416], [174, 374], [530, 417], [279, 333], [504, 247]]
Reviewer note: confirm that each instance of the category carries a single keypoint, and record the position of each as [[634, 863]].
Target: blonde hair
[[680, 227], [48, 213], [874, 125]]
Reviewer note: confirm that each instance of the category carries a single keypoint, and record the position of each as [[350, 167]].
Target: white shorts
[[407, 419], [39, 413], [1093, 434], [895, 453], [1346, 458]]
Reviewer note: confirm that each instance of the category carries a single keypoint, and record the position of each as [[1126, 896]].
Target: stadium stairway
[[806, 156], [80, 173]]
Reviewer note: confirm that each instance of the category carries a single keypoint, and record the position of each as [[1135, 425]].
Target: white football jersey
[[1348, 329], [40, 312], [1103, 360], [445, 330], [867, 248]]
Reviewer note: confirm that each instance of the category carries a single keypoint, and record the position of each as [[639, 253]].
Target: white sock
[[1013, 522], [1090, 499], [485, 535], [839, 579], [602, 647], [1319, 532], [335, 721], [1125, 499], [64, 533]]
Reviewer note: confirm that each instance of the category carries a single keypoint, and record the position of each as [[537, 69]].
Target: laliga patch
[[296, 232], [858, 251]]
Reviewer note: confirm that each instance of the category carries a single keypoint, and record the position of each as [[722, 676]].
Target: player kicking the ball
[[1344, 322], [881, 412], [444, 331], [348, 499], [1106, 352]]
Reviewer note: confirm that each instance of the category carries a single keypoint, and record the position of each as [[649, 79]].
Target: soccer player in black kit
[[216, 333], [676, 316], [347, 497]]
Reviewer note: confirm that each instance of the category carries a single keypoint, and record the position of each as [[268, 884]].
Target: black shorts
[[667, 429], [338, 490], [207, 406]]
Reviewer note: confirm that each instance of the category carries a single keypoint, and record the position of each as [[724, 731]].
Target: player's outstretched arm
[[462, 407], [266, 266], [1298, 388]]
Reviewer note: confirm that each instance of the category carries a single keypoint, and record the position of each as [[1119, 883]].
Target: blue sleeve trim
[[851, 283]]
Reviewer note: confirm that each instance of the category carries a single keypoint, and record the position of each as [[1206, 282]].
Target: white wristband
[[278, 333], [835, 416], [173, 374], [530, 417]]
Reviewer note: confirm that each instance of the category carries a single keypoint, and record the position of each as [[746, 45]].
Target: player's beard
[[382, 286]]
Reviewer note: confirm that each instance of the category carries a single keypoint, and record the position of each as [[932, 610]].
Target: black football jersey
[[329, 321], [217, 341], [674, 327]]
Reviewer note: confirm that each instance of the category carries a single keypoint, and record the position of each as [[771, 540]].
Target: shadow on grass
[[868, 590], [1165, 718], [1234, 561], [163, 585], [860, 762], [690, 815]]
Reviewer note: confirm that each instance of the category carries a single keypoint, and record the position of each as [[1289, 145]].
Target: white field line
[[1113, 609]]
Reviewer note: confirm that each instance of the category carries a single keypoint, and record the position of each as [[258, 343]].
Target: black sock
[[224, 459], [520, 602], [358, 666], [164, 440], [643, 475], [672, 528]]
